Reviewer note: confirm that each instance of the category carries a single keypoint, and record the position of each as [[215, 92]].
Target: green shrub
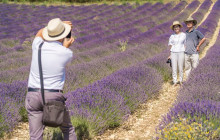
[[1, 126], [23, 114]]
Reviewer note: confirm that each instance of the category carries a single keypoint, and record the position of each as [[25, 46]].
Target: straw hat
[[190, 19], [56, 30], [176, 23]]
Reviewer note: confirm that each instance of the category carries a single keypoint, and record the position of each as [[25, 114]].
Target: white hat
[[176, 23], [56, 30]]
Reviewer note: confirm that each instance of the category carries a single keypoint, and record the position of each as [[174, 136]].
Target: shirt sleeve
[[199, 34], [170, 41]]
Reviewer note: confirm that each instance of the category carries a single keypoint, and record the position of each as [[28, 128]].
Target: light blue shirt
[[54, 59]]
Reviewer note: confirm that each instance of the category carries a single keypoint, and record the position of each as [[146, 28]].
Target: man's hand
[[69, 23], [200, 43], [67, 42], [197, 48]]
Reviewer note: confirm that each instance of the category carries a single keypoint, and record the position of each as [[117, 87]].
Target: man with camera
[[55, 40]]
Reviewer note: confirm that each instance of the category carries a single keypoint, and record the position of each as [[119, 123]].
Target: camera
[[69, 35], [169, 61]]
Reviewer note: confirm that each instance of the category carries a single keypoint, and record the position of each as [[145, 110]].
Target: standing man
[[55, 55], [194, 39]]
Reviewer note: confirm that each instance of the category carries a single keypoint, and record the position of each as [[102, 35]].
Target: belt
[[45, 90]]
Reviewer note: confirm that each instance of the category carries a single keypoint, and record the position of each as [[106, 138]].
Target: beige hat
[[176, 23], [191, 19], [56, 30]]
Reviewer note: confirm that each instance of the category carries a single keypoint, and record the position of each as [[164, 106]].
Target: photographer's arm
[[40, 33]]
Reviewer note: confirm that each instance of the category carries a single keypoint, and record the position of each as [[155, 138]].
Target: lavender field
[[119, 62]]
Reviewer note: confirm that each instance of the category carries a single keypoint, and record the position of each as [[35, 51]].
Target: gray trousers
[[34, 107], [191, 62], [177, 59]]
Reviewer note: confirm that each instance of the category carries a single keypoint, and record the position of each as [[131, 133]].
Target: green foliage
[[23, 114], [87, 129], [10, 43], [123, 45], [83, 128], [164, 72], [1, 127], [57, 134], [4, 1], [137, 3], [52, 134]]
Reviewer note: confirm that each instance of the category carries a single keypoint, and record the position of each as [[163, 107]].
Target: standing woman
[[177, 45]]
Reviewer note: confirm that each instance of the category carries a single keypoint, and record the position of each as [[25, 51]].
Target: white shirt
[[177, 41], [54, 57]]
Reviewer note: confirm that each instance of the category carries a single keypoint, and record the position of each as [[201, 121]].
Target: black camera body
[[169, 61], [69, 35]]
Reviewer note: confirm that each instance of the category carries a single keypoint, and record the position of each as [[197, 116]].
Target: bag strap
[[41, 73]]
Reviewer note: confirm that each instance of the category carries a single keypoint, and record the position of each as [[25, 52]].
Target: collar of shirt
[[191, 30], [55, 42]]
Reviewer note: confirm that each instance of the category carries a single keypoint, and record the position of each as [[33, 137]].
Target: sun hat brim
[[171, 27], [194, 21], [63, 35]]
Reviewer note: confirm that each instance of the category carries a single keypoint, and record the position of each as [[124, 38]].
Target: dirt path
[[21, 132]]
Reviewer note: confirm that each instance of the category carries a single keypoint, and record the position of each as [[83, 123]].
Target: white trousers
[[177, 59], [191, 62]]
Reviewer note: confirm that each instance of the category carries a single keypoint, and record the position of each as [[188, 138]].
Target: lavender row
[[203, 9], [133, 12], [108, 102], [35, 21], [135, 26], [103, 30], [162, 28], [142, 36], [116, 45], [11, 105]]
